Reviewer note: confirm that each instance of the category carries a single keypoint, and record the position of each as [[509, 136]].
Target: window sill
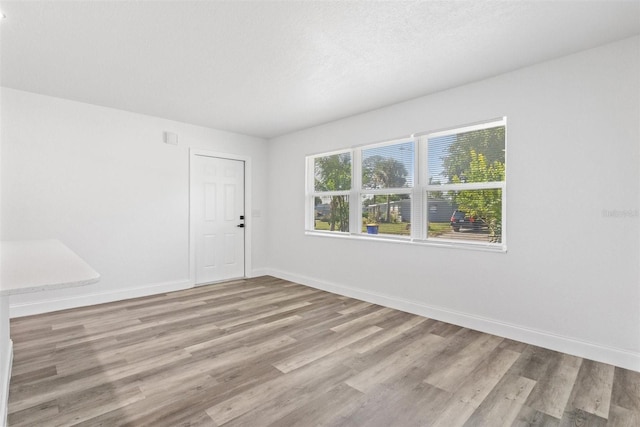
[[440, 243]]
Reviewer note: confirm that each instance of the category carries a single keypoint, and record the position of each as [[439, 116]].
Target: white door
[[218, 203]]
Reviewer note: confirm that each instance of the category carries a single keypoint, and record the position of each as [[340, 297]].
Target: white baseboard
[[601, 353], [4, 387], [257, 272], [49, 305]]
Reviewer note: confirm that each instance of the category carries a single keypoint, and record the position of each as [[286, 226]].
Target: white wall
[[570, 277], [103, 182]]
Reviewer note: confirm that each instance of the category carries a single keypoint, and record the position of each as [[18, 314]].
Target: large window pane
[[331, 213], [332, 173], [390, 166], [386, 214], [474, 215], [474, 156]]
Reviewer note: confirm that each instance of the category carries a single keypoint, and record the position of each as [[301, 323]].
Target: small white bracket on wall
[[170, 138]]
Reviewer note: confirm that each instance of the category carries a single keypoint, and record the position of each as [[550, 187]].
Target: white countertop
[[41, 265]]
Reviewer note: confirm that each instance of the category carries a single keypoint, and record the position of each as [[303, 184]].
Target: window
[[331, 183], [466, 176], [445, 187], [387, 181]]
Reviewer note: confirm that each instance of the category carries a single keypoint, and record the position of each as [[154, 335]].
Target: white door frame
[[247, 209]]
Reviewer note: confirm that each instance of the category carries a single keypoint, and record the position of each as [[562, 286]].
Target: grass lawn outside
[[323, 226], [396, 228], [438, 228]]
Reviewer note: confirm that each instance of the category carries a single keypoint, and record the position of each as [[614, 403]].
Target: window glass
[[331, 213], [474, 215], [386, 214], [332, 173], [389, 166], [474, 156]]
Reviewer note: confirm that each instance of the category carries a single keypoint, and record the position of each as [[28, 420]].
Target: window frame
[[359, 191], [489, 185], [312, 193], [418, 192]]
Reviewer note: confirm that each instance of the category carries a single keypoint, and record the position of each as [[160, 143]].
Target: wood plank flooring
[[267, 352]]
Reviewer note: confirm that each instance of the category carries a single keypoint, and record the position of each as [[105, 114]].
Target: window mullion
[[355, 205], [422, 173]]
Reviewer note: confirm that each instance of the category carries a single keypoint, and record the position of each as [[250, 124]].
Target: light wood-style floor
[[265, 352]]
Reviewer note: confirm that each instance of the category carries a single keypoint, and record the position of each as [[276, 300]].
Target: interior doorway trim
[[193, 152]]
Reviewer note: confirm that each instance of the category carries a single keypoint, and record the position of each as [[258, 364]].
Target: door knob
[[241, 225]]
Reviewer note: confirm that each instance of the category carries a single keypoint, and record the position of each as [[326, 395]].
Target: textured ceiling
[[269, 68]]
